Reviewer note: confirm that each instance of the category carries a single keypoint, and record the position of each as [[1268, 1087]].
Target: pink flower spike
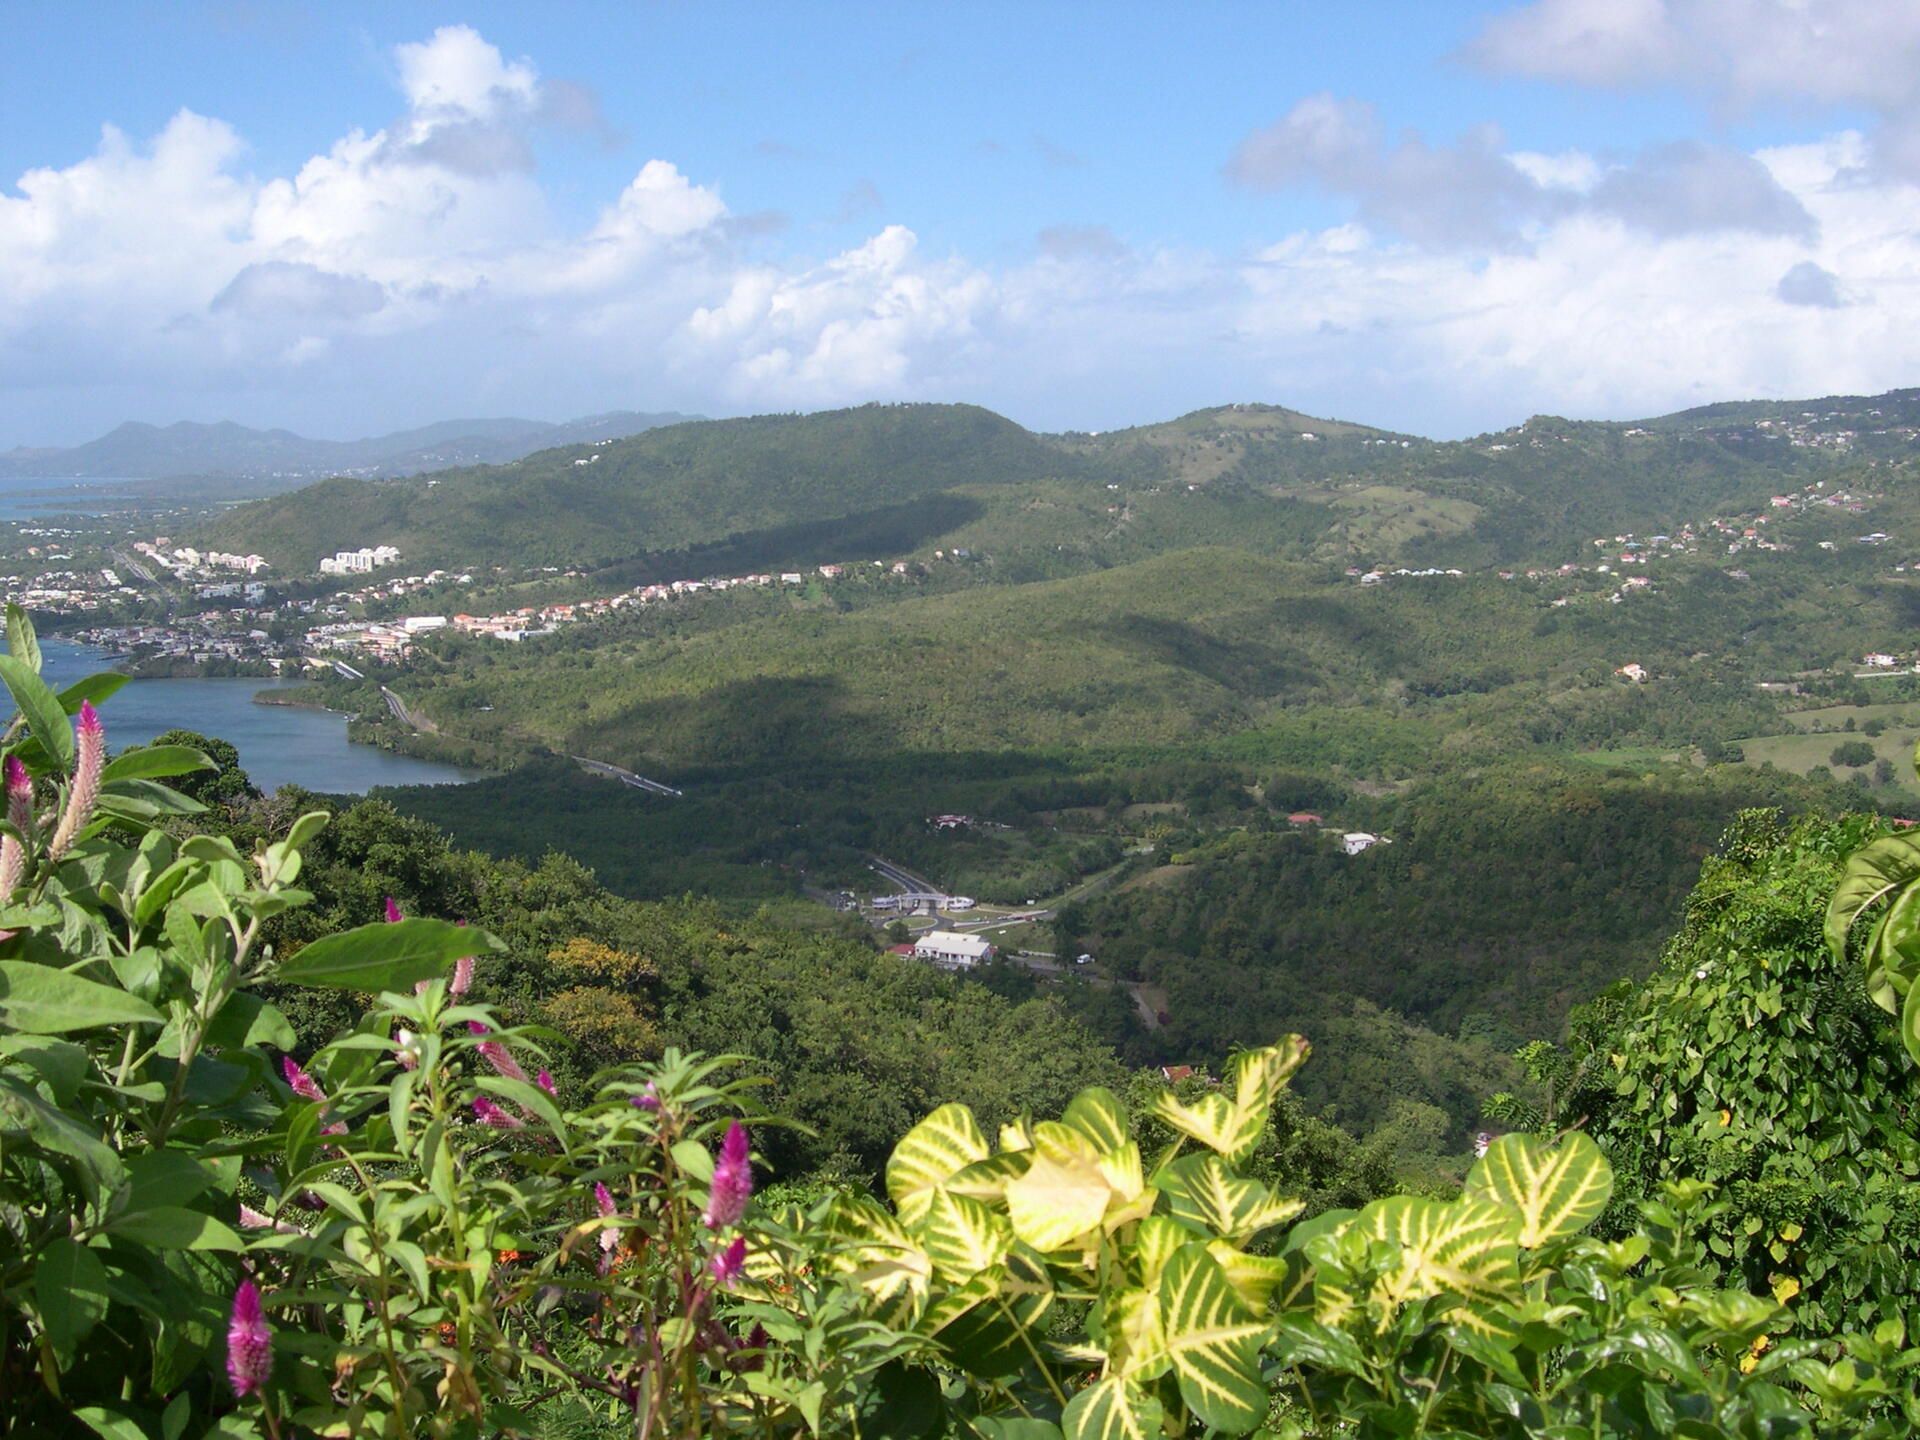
[[249, 1342], [496, 1054], [394, 917], [732, 1180], [603, 1198], [90, 758], [728, 1264], [488, 1113], [302, 1084], [545, 1081], [462, 976]]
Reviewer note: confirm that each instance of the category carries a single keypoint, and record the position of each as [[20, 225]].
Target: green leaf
[[61, 1063], [46, 718], [1910, 1024], [110, 1424], [24, 1113], [1558, 1189], [1113, 1409], [930, 1154], [143, 799], [70, 1290], [97, 688], [165, 1178], [904, 1403], [39, 1000], [21, 642], [1214, 1338], [381, 957], [246, 1019], [152, 762], [1887, 864], [174, 1227]]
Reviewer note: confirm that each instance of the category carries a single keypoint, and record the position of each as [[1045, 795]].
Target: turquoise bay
[[278, 744]]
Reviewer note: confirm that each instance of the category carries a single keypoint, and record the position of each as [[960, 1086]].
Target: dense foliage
[[425, 1228]]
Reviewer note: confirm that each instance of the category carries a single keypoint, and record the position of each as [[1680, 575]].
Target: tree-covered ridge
[[710, 496], [586, 506]]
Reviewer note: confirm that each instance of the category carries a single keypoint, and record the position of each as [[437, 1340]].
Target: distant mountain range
[[137, 451]]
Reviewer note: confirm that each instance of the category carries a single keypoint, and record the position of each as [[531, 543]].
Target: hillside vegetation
[[714, 494]]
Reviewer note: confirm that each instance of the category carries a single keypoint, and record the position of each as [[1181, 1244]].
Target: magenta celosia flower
[[728, 1264], [488, 1113], [394, 917], [545, 1081], [13, 855], [603, 1199], [496, 1054], [249, 1342], [462, 976], [732, 1180], [302, 1084], [90, 758]]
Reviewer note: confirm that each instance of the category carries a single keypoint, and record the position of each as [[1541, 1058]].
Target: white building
[[951, 948], [1357, 840]]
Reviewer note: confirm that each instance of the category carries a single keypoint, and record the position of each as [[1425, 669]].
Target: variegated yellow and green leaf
[[986, 1180], [962, 1236], [1213, 1120], [878, 1255], [1254, 1277], [1154, 1244], [1059, 1199], [1557, 1189], [1214, 1339], [1016, 1135], [934, 1151], [1203, 1192], [1258, 1076], [1464, 1248], [1098, 1114], [988, 1324], [1133, 1322], [1113, 1409]]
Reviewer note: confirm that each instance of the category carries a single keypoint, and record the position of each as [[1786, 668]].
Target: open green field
[[1835, 717], [1801, 751]]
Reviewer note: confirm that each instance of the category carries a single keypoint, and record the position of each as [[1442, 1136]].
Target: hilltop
[[779, 490], [137, 450]]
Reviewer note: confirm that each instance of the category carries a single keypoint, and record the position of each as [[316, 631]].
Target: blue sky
[[346, 218]]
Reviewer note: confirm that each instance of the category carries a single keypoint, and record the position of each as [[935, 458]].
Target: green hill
[[586, 506]]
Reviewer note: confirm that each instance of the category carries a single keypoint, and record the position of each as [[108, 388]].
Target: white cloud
[[416, 270], [1739, 53]]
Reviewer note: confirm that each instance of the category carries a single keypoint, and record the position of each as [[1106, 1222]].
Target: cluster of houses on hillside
[[389, 640], [357, 562]]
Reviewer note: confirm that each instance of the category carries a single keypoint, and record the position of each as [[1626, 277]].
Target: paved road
[[626, 777]]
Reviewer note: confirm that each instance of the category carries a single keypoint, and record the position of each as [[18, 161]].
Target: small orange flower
[[507, 1257]]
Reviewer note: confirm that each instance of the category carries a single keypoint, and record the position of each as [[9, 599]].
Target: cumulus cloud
[[419, 267], [1739, 53], [423, 256], [1473, 194]]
